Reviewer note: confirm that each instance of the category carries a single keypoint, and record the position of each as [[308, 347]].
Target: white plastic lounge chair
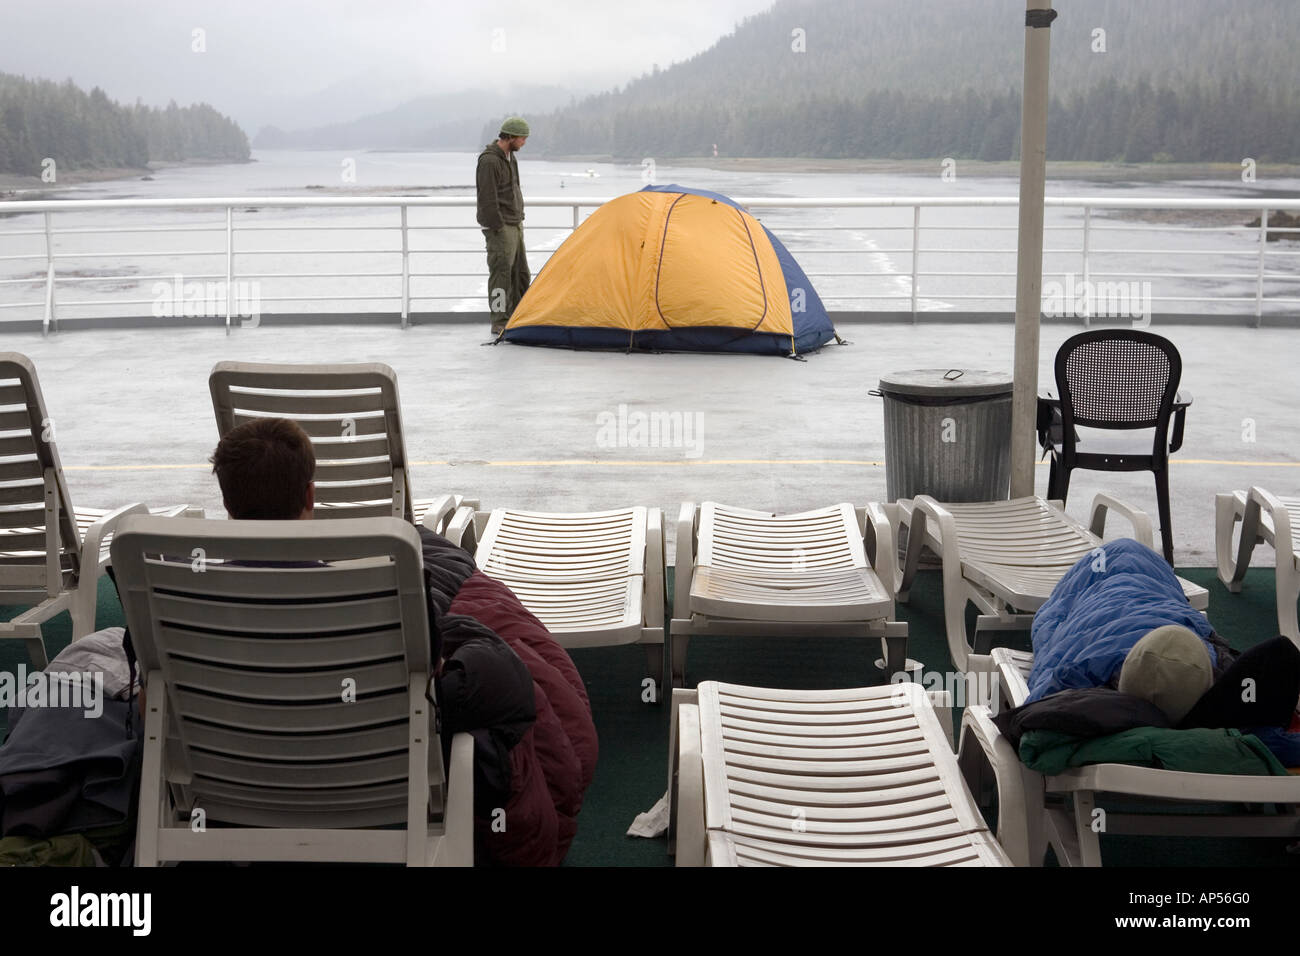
[[861, 777], [288, 702], [352, 414], [1005, 557], [51, 554], [753, 572], [594, 579], [1267, 518], [1062, 811]]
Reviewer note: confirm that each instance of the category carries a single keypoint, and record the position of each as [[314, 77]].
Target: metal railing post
[[1259, 276], [575, 215], [230, 260], [916, 253], [49, 275], [406, 273], [1087, 271]]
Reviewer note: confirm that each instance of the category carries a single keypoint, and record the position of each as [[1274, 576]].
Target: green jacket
[[1194, 751], [500, 200]]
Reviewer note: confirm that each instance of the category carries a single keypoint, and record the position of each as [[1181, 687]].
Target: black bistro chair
[[1118, 379]]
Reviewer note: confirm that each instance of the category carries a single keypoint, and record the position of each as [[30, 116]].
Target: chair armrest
[[435, 519], [688, 807], [680, 696], [684, 559], [1048, 423], [1229, 508], [1267, 503], [948, 546], [879, 541], [1103, 504], [1017, 786], [460, 530], [458, 816], [1176, 440], [102, 528], [652, 602]]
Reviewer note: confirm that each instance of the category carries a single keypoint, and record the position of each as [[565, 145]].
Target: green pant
[[508, 275]]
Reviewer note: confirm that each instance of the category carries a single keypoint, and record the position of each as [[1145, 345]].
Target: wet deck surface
[[540, 428]]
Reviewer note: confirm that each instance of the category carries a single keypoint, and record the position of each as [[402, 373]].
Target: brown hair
[[265, 469]]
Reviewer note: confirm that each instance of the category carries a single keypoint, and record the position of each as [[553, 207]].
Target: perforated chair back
[[1117, 378], [352, 414]]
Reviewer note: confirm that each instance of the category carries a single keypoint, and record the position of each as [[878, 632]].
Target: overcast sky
[[297, 63]]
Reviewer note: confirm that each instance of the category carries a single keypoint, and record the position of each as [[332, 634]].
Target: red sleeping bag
[[552, 766]]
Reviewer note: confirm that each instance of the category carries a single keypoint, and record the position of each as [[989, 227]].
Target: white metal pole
[[916, 254], [1029, 260], [1087, 270], [49, 276], [230, 262], [1259, 276], [406, 273]]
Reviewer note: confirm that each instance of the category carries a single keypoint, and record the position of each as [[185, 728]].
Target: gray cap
[[1169, 667]]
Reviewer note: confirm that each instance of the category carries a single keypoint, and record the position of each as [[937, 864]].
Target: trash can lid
[[947, 383]]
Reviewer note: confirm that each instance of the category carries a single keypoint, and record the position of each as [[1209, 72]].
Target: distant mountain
[[437, 121], [1161, 79]]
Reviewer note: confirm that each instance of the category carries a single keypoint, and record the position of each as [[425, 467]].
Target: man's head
[[514, 133], [265, 468]]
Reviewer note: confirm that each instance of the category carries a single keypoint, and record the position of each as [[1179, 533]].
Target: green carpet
[[632, 770]]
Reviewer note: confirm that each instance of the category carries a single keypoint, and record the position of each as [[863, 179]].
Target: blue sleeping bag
[[1103, 606]]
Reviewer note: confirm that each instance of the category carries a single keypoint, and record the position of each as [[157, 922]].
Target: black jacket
[[500, 200], [484, 690]]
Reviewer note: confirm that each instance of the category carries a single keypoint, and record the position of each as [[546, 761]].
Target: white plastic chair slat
[[376, 770], [881, 806], [300, 617], [286, 403], [272, 716], [869, 789], [751, 734], [944, 852], [302, 651], [201, 575], [865, 748], [246, 685], [349, 744]]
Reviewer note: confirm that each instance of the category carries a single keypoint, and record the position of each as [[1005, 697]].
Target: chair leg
[[895, 650], [677, 655], [1166, 524], [1062, 490], [654, 657], [1288, 587], [1051, 480], [36, 651]]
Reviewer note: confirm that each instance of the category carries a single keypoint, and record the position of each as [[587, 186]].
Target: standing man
[[501, 214]]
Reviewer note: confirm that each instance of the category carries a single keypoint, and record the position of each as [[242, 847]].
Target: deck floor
[[522, 427]]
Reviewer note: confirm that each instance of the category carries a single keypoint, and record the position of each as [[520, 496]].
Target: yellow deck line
[[672, 463]]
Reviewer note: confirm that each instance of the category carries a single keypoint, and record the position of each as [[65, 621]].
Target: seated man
[[500, 677], [519, 697]]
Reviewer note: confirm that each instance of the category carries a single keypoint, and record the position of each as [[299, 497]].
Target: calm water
[[274, 245]]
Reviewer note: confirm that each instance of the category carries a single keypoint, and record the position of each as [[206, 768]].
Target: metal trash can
[[947, 434]]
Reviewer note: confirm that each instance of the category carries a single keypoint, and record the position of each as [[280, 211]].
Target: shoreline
[[1009, 169], [18, 185], [14, 185]]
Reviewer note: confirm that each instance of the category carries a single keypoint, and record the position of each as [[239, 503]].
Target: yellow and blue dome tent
[[670, 268]]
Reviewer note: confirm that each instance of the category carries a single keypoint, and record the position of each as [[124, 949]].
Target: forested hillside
[[1185, 80], [80, 130]]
